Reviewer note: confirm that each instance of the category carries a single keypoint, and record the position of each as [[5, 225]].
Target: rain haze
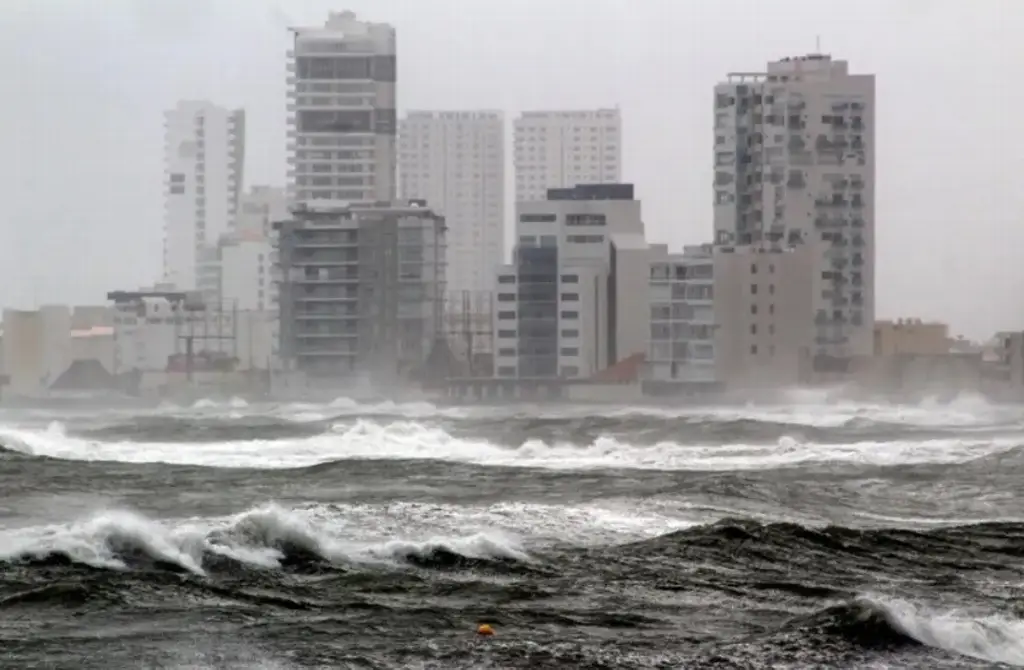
[[711, 408], [87, 82]]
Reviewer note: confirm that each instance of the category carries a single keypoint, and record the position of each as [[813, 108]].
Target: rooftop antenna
[[817, 44]]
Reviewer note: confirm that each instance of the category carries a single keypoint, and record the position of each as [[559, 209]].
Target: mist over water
[[815, 532]]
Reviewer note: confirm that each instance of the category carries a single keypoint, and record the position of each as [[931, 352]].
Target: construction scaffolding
[[469, 330]]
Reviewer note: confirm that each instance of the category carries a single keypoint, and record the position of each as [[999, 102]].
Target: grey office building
[[361, 288]]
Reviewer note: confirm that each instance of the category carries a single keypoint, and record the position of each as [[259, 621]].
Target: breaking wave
[[884, 623], [267, 537], [411, 440]]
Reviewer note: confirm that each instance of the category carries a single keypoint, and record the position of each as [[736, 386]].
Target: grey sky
[[84, 89]]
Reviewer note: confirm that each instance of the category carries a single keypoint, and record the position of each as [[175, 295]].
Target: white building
[[795, 164], [341, 111], [456, 162], [260, 207], [153, 329], [682, 329], [567, 305], [204, 155], [560, 149], [246, 264]]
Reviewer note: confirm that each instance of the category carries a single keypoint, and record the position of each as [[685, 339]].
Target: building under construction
[[469, 332]]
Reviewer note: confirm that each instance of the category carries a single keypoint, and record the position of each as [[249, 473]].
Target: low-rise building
[[566, 306], [361, 288], [911, 336]]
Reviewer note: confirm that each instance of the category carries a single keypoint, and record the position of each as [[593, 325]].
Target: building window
[[506, 316], [570, 371], [753, 268], [584, 239], [753, 289], [507, 279], [753, 329], [771, 308], [570, 351], [506, 371], [753, 349], [506, 334], [549, 240], [506, 297], [771, 289], [570, 279], [570, 297], [585, 220], [569, 314], [537, 218], [753, 309], [507, 351], [569, 333]]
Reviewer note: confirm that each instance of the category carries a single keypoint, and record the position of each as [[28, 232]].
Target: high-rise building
[[456, 162], [560, 149], [341, 112], [204, 157], [795, 166]]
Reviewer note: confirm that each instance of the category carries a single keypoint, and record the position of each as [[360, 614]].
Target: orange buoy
[[485, 630]]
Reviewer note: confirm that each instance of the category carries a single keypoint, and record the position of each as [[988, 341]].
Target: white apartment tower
[[795, 165], [561, 149], [204, 155], [341, 112], [456, 162]]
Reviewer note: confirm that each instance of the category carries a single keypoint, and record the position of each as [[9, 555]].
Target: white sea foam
[[339, 533], [990, 637], [366, 439]]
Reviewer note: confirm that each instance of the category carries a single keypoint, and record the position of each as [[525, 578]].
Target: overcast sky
[[86, 81]]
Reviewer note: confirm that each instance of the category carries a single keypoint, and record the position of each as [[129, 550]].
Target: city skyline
[[938, 284]]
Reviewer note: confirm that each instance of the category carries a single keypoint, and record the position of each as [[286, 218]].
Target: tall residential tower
[[341, 112], [561, 149], [456, 162], [204, 155], [794, 156]]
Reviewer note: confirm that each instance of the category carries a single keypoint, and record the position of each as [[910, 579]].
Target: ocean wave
[[950, 547], [885, 623], [410, 440], [267, 537]]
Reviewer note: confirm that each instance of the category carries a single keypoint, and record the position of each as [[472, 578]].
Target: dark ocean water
[[225, 535]]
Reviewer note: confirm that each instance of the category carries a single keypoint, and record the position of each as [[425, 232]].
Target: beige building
[[911, 336], [794, 164], [764, 314]]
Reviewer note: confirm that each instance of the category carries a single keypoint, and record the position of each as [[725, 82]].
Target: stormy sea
[[811, 533]]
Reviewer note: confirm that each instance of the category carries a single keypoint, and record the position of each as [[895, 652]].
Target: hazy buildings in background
[[560, 149], [341, 111], [360, 289], [260, 207], [795, 165], [567, 307], [455, 161], [204, 158]]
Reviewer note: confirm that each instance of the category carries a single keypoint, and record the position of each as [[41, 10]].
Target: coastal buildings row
[[386, 253]]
